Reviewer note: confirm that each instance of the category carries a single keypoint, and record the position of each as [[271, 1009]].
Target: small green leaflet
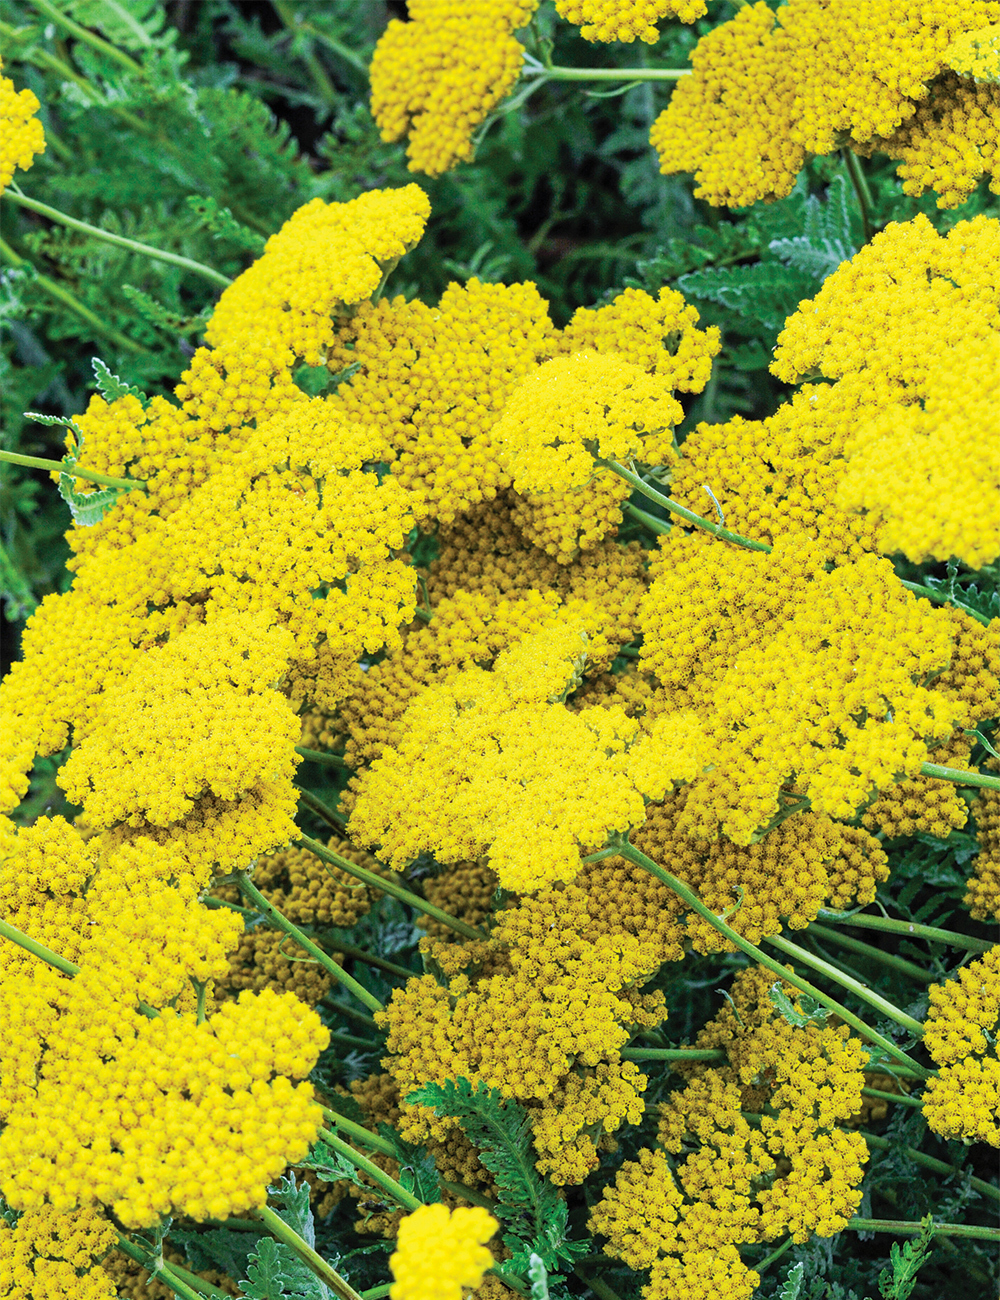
[[87, 508], [811, 1009], [896, 1283], [274, 1271], [792, 1287], [112, 388], [539, 1278]]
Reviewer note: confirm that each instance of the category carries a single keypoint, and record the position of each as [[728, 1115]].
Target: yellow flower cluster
[[805, 863], [495, 762], [438, 76], [540, 1011], [976, 54], [626, 20], [790, 1171], [170, 1115], [771, 87], [574, 408], [440, 1251], [22, 136], [983, 896], [894, 453], [808, 682], [963, 1099], [49, 1255]]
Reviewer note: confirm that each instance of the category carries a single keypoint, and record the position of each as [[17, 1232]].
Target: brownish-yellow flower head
[[440, 1251]]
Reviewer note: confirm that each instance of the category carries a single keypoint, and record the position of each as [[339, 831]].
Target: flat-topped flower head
[[441, 1251], [21, 136], [626, 20]]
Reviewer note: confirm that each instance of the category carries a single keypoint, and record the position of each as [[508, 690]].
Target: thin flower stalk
[[687, 895], [278, 1228], [63, 467], [890, 925], [267, 909], [182, 1282], [869, 950], [933, 1164], [904, 1226], [388, 1184]]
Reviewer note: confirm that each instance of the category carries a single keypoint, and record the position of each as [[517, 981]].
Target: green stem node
[[682, 512]]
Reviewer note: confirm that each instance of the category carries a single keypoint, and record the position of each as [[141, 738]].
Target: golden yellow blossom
[[626, 20], [51, 1255], [963, 1100], [22, 136], [440, 1251], [983, 896], [976, 54], [436, 77]]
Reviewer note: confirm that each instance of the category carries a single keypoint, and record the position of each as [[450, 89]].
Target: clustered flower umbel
[[261, 572]]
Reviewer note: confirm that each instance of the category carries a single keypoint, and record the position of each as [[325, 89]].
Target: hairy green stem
[[889, 925], [688, 895], [662, 527], [56, 290], [37, 949], [74, 471], [388, 1184], [554, 72], [774, 1256], [181, 1280], [390, 887], [277, 1227], [712, 1055], [933, 1164], [905, 967], [960, 777], [682, 512], [940, 1229], [859, 990], [901, 1097], [321, 810], [158, 254], [358, 1132], [359, 954], [859, 183], [268, 910], [90, 38]]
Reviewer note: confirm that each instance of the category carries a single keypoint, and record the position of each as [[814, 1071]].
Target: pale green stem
[[933, 1164], [687, 895], [378, 1292], [91, 38], [774, 1256], [659, 526], [682, 512], [939, 1229], [180, 1281], [317, 756], [389, 1185], [942, 598], [359, 954], [321, 810], [859, 990], [390, 887], [158, 254], [277, 1227], [37, 949], [889, 925], [959, 777], [712, 1055], [268, 910], [901, 1097], [358, 1132], [62, 467], [859, 183], [905, 967], [557, 73], [56, 290]]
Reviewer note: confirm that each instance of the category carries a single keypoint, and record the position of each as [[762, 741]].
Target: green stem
[[350, 1040], [556, 73], [276, 1225], [933, 1164], [158, 254], [687, 895], [321, 810], [37, 949], [942, 598], [901, 1097], [682, 511], [659, 526], [63, 467], [866, 921], [317, 756], [359, 954], [90, 38], [184, 1283], [959, 777], [940, 1229], [358, 1132], [905, 967], [390, 887], [267, 909], [377, 1292], [56, 290], [774, 1256], [859, 990], [389, 1185], [599, 1288], [859, 182]]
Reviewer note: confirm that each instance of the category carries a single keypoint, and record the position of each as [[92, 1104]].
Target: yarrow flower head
[[437, 76], [440, 1251], [21, 134], [626, 20]]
